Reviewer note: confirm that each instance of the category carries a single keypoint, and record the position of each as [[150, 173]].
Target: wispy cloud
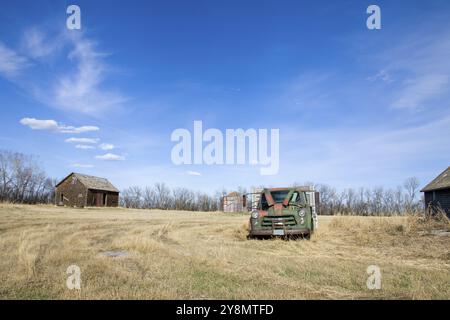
[[193, 173], [52, 125], [11, 63], [382, 75], [81, 87], [384, 153], [83, 140], [418, 91], [38, 45], [110, 157], [308, 91], [82, 90], [84, 166], [84, 147], [420, 63], [106, 146], [83, 129]]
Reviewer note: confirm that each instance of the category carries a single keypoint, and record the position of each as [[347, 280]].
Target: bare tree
[[162, 196], [411, 186], [132, 197], [149, 198], [22, 180]]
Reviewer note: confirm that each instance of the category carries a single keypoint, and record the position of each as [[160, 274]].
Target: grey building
[[437, 192]]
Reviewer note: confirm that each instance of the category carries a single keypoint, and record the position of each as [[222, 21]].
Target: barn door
[[99, 199]]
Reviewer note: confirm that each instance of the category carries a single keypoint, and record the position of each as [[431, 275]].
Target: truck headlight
[[302, 212], [255, 214]]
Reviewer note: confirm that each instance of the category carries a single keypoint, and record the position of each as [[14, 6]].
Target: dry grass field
[[185, 255]]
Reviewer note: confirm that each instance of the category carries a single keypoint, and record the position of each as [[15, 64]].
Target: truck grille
[[278, 221]]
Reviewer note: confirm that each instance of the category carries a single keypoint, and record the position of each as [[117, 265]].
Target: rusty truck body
[[286, 212]]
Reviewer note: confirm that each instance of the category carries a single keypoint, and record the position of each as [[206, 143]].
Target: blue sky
[[355, 107]]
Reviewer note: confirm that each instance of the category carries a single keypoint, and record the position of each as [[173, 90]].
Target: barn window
[[74, 180], [62, 197]]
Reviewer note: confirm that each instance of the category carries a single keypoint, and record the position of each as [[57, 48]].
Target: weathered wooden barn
[[437, 192], [80, 190]]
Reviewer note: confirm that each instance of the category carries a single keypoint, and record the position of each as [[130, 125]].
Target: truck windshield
[[279, 196]]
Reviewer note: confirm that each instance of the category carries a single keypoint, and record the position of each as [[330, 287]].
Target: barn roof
[[441, 182], [91, 182]]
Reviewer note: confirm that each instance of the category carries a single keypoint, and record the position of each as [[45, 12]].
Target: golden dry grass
[[185, 255]]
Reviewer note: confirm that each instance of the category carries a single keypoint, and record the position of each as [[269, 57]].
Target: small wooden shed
[[80, 190], [234, 202], [437, 192]]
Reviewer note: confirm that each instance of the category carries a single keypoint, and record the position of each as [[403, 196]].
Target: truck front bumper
[[278, 232]]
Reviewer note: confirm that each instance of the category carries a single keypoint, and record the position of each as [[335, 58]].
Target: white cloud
[[193, 173], [84, 147], [10, 62], [106, 146], [83, 140], [110, 157], [79, 165], [37, 124]]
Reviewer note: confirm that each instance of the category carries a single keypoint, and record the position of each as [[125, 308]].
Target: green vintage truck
[[285, 212]]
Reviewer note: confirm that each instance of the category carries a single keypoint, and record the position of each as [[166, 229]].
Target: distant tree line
[[377, 201], [162, 197], [22, 180]]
